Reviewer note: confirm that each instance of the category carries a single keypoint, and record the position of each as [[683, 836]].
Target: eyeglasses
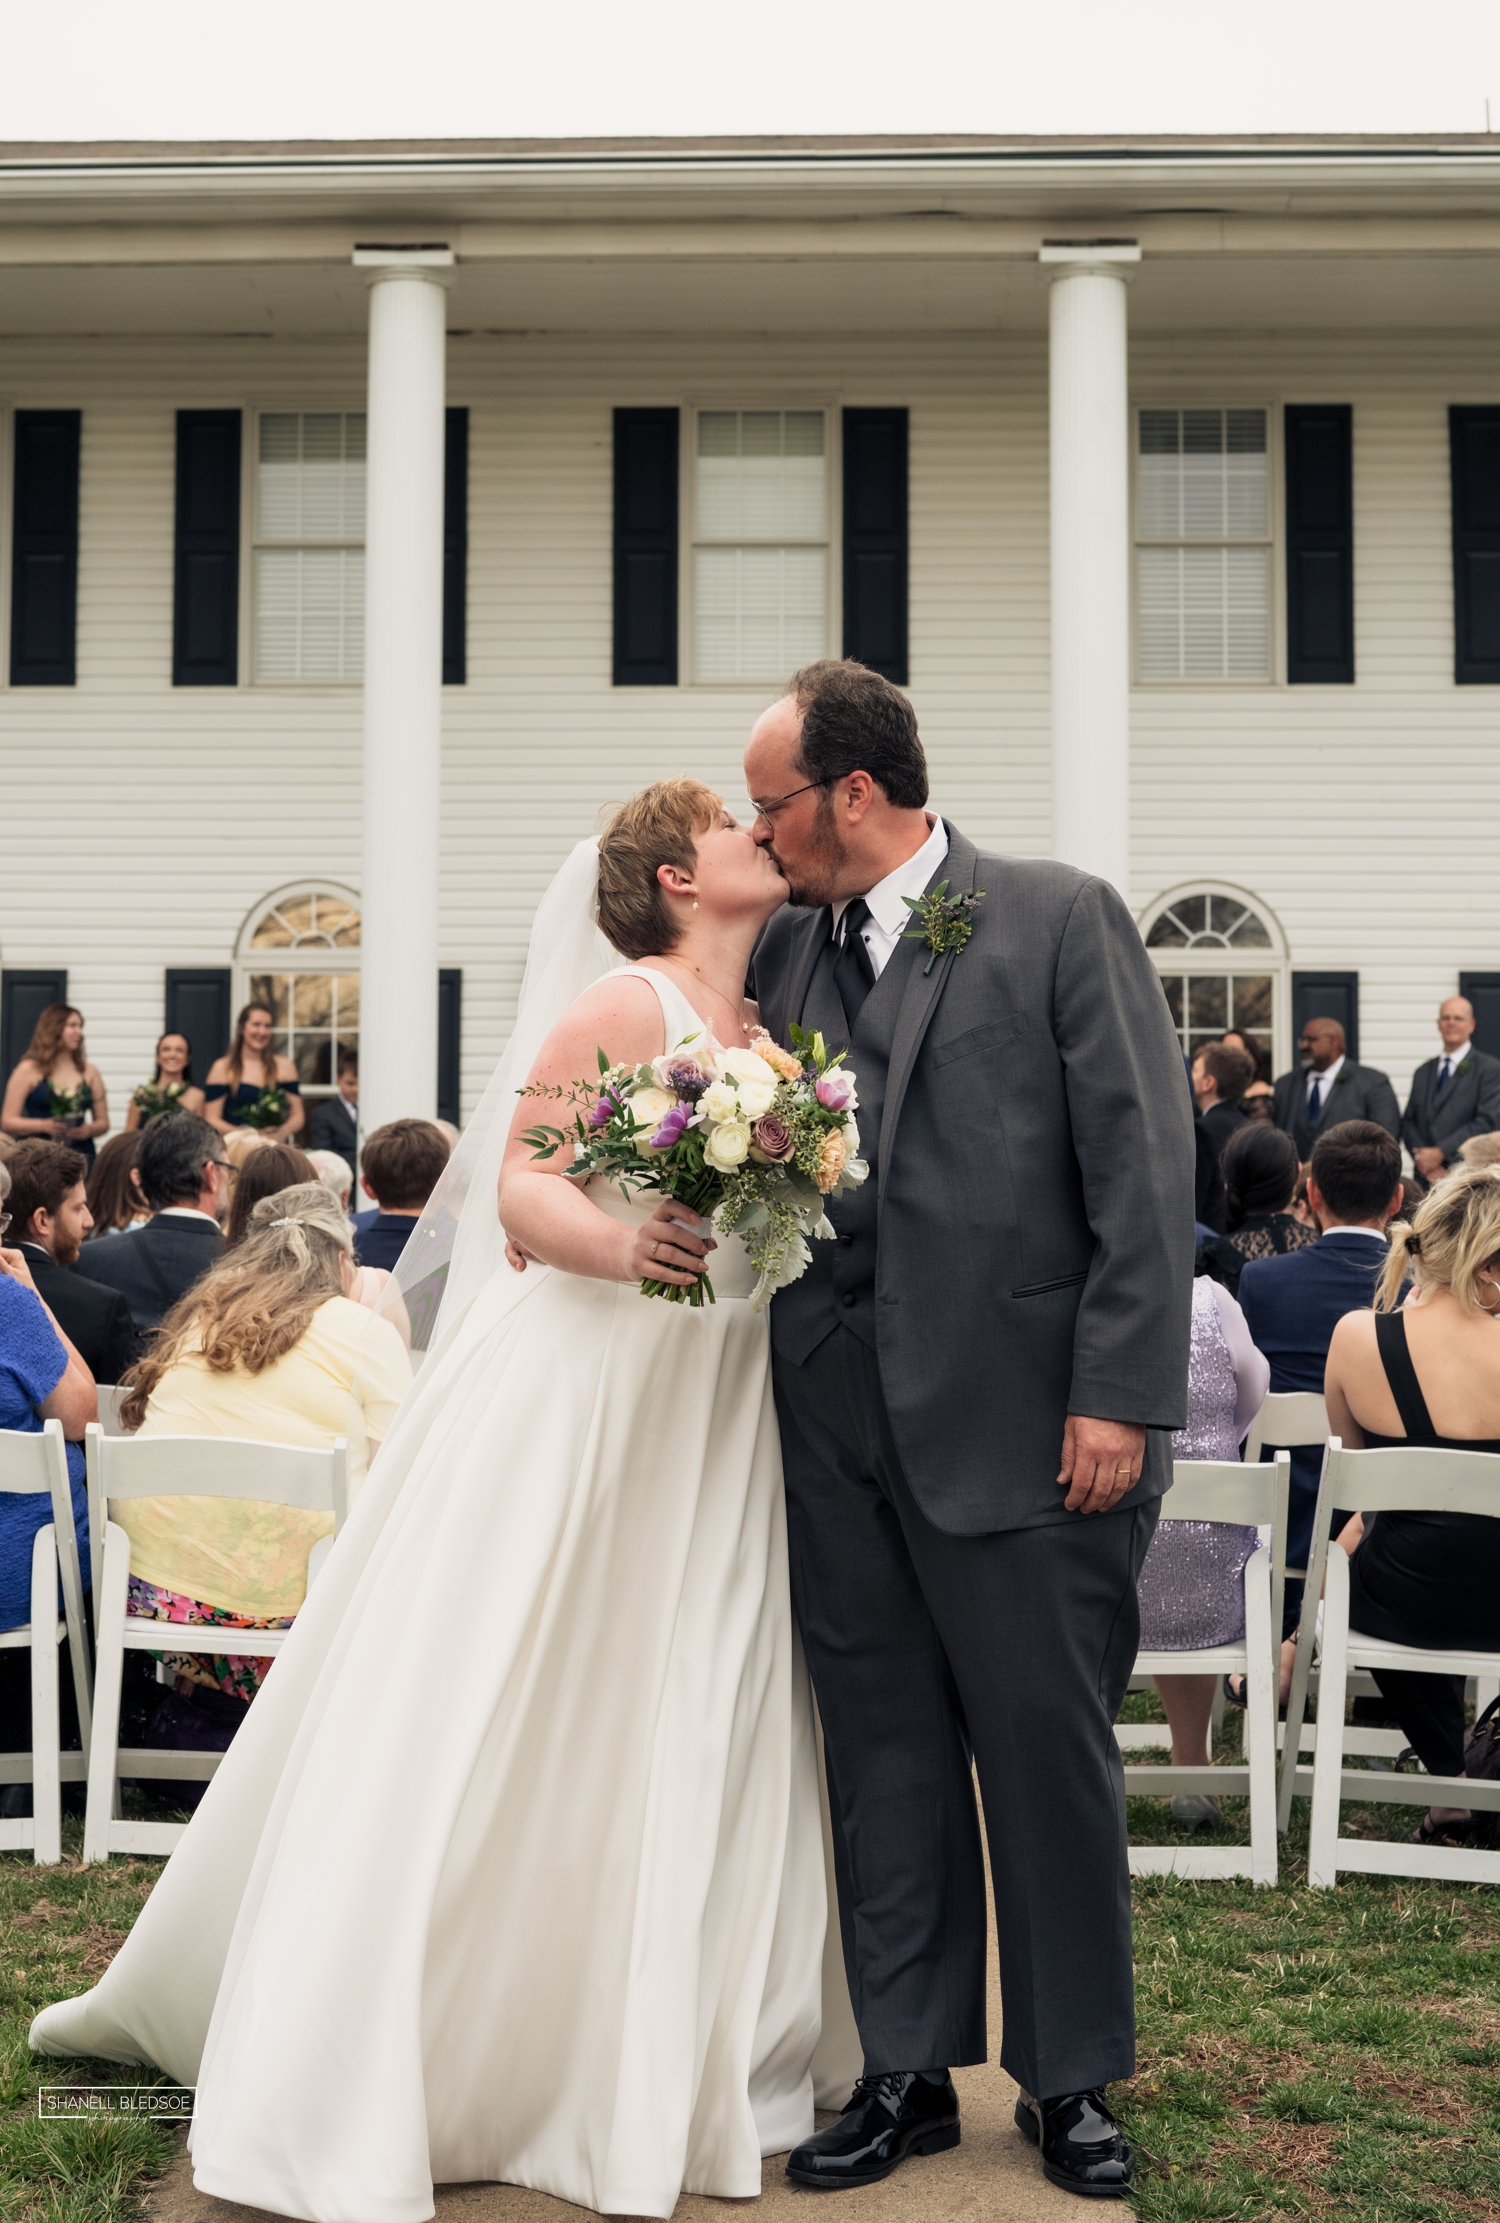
[[768, 811]]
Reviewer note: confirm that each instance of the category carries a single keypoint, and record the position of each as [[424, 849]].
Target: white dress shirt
[[1327, 1078], [1449, 1061], [889, 918]]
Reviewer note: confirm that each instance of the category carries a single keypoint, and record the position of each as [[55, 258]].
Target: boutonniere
[[941, 921], [1341, 1077]]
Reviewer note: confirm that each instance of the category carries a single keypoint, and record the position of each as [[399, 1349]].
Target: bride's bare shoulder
[[620, 1015]]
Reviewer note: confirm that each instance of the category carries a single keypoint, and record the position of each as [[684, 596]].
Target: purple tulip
[[834, 1091], [671, 1128], [604, 1111]]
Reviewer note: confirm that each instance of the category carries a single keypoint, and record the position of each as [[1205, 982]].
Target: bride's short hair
[[655, 828]]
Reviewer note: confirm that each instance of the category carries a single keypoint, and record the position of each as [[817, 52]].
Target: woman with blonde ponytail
[[1424, 1368], [268, 1345]]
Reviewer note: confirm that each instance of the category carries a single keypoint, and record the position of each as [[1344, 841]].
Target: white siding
[[142, 823]]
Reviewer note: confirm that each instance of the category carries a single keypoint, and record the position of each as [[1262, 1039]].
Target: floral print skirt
[[236, 1674]]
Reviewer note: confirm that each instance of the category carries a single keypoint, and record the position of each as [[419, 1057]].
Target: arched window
[[1222, 960], [299, 955]]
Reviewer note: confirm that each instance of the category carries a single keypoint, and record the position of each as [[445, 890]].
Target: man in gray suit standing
[[1330, 1088], [976, 1384], [1453, 1096]]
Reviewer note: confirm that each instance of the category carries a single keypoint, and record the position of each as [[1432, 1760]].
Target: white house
[[1165, 474]]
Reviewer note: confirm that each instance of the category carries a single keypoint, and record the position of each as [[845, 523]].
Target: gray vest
[[839, 1285]]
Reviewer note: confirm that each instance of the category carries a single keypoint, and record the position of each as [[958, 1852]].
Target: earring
[[695, 903]]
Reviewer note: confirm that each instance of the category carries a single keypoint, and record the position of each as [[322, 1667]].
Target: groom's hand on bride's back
[[1101, 1460]]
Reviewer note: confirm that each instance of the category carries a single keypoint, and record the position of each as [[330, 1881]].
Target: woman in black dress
[[1260, 1178], [247, 1071], [54, 1094], [1428, 1372]]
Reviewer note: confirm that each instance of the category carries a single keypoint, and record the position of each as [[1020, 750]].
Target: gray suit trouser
[[924, 1648]]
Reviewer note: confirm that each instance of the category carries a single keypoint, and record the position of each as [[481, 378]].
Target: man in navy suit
[[1452, 1096], [1294, 1303], [1330, 1090], [184, 1177]]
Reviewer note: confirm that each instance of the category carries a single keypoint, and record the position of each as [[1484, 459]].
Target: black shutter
[[1327, 996], [23, 999], [646, 547], [44, 549], [197, 1004], [455, 548], [450, 1025], [1474, 440], [1319, 544], [206, 596], [875, 540], [1483, 992]]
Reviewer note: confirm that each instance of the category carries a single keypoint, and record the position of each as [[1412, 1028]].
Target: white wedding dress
[[516, 1870]]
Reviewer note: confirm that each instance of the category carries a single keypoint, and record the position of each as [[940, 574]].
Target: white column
[[1090, 455], [403, 684]]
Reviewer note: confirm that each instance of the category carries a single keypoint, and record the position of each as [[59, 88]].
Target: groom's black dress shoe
[[1083, 2147], [903, 2111]]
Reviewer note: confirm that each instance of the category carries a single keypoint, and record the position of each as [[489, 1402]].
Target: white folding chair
[[31, 1465], [179, 1466], [110, 1401], [1225, 1490], [1403, 1479]]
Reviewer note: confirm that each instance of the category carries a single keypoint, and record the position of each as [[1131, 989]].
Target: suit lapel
[[812, 932], [960, 868]]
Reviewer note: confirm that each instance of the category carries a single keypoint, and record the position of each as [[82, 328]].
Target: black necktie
[[1444, 1076], [854, 968], [1314, 1103]]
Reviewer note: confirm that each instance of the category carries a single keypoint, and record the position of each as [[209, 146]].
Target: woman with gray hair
[[269, 1345]]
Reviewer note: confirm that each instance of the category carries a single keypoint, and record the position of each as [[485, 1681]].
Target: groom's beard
[[812, 883]]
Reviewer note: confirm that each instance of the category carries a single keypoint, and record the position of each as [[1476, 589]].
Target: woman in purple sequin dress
[[1192, 1589]]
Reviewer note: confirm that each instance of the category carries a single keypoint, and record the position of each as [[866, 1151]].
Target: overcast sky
[[198, 69]]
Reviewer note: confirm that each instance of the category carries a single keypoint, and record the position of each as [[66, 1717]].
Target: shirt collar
[[1457, 1055], [887, 908], [1332, 1074], [1371, 1234], [185, 1212]]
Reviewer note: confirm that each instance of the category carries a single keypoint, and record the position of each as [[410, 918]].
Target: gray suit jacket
[[1035, 1246], [1359, 1092], [1469, 1105]]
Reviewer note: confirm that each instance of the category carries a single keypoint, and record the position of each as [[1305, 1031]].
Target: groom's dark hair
[[855, 721]]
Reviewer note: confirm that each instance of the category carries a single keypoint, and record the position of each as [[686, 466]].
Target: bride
[[516, 1870]]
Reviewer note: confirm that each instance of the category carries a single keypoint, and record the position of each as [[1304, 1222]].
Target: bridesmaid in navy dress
[[249, 1067], [57, 1060]]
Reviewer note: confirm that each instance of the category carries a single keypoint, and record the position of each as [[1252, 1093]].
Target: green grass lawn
[[1303, 2054]]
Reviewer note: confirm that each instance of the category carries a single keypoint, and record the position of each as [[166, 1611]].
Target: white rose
[[728, 1145], [719, 1101], [747, 1066], [851, 1135], [755, 1098], [650, 1106]]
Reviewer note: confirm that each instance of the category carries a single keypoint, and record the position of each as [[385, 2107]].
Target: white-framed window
[[309, 566], [760, 542], [1223, 963], [1203, 544], [299, 956]]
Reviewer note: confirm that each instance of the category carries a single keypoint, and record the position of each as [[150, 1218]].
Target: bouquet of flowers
[[269, 1109], [154, 1101], [71, 1104], [754, 1140]]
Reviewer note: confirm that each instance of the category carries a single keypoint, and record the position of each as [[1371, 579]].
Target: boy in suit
[[1293, 1303]]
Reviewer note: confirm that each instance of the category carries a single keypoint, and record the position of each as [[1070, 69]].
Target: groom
[[976, 1384]]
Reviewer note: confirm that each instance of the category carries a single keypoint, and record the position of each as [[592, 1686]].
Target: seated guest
[[1259, 1104], [269, 1347], [42, 1378], [1330, 1090], [400, 1169], [249, 1069], [335, 1121], [1428, 1372], [54, 1094], [170, 1087], [1293, 1304], [1221, 1074], [242, 1143], [184, 1179], [332, 1169], [1235, 1038], [49, 1220], [1192, 1585], [1208, 1182], [1260, 1179], [1453, 1096], [1480, 1150], [264, 1173], [114, 1196]]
